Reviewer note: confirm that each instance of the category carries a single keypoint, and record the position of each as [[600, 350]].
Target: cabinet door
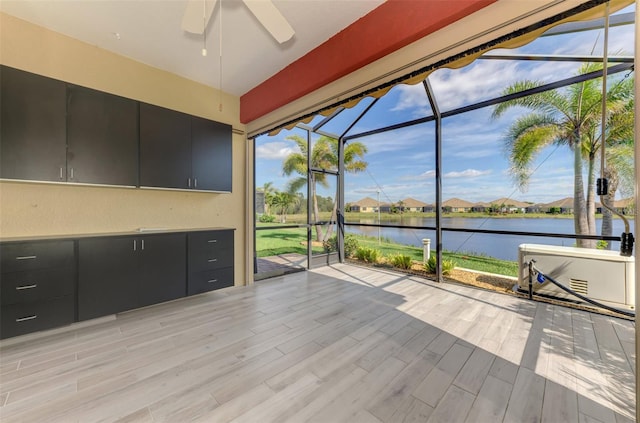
[[163, 268], [212, 155], [19, 319], [32, 126], [107, 276], [165, 148], [210, 250], [102, 138]]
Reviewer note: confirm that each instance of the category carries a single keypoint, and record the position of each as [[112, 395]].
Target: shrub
[[330, 245], [267, 218], [350, 245], [401, 261], [447, 265], [368, 255]]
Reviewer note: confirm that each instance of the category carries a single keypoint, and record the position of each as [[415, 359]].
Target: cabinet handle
[[135, 245], [212, 281], [26, 258], [189, 182], [212, 260], [212, 240], [23, 287], [142, 242], [195, 182], [71, 173], [24, 319], [61, 174]]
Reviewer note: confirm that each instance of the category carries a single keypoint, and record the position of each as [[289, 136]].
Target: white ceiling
[[150, 32]]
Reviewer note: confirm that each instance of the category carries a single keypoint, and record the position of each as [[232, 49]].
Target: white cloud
[[277, 150], [415, 138], [467, 173], [479, 81], [429, 174], [410, 97]]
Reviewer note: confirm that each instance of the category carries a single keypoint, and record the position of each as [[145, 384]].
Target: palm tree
[[284, 200], [619, 169], [570, 118], [269, 190], [324, 155]]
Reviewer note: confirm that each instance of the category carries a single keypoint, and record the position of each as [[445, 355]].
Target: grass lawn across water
[[270, 242]]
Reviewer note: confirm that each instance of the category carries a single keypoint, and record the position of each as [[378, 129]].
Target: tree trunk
[[591, 199], [580, 220], [607, 216], [334, 217], [316, 212]]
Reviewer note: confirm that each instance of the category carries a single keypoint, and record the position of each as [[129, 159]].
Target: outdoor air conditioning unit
[[601, 275]]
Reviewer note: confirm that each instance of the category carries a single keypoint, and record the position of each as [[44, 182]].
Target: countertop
[[135, 232]]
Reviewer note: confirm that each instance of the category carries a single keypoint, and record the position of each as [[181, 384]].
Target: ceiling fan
[[198, 12]]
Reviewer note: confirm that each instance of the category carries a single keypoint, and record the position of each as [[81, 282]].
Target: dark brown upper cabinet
[[59, 132], [102, 136], [182, 151], [32, 126], [211, 154], [165, 148]]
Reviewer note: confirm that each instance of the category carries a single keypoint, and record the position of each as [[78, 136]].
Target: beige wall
[[50, 209]]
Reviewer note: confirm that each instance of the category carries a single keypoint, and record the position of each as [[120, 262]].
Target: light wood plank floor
[[338, 344]]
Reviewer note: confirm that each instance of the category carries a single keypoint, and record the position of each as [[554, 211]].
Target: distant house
[[365, 205], [509, 205], [625, 206], [563, 206], [456, 205], [386, 207], [412, 205], [534, 208], [480, 207], [429, 208]]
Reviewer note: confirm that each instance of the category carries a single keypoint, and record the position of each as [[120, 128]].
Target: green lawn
[[272, 242]]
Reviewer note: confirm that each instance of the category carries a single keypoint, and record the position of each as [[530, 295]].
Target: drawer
[[19, 319], [210, 250], [36, 285], [16, 257], [209, 280]]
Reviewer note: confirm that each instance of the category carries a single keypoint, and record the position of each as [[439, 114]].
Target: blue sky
[[475, 168]]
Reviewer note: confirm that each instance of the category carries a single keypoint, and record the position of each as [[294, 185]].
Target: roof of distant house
[[509, 202], [412, 202], [366, 202], [456, 202], [564, 203], [625, 202]]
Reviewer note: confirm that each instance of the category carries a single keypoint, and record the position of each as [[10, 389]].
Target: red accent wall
[[389, 27]]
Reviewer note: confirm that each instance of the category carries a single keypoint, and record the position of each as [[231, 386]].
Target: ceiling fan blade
[[197, 14], [271, 18]]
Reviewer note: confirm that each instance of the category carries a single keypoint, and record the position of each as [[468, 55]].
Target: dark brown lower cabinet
[[107, 276], [23, 318], [52, 283], [210, 261], [163, 269], [37, 286], [122, 273]]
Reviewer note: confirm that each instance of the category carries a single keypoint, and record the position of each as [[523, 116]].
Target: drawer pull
[[26, 258], [212, 240], [212, 281], [24, 319], [212, 260], [23, 287]]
